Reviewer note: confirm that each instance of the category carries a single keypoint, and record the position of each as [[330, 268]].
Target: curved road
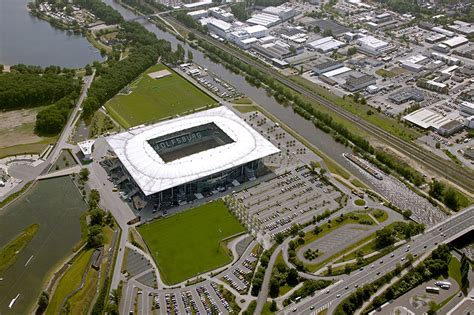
[[423, 244]]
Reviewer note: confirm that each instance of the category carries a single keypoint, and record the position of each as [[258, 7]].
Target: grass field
[[151, 100], [189, 243]]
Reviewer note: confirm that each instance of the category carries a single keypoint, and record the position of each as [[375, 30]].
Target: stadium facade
[[187, 157]]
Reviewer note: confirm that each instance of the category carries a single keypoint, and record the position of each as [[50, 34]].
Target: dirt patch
[[17, 127]]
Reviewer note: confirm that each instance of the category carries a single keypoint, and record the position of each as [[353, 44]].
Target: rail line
[[462, 177]]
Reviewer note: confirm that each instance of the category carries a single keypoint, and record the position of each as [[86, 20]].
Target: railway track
[[462, 177]]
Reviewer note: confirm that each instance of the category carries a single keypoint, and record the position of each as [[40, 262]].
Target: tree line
[[31, 89]]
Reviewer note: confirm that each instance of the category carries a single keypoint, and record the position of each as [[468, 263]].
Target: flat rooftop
[[185, 149]]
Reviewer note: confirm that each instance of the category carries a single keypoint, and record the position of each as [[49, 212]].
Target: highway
[[461, 177], [419, 246]]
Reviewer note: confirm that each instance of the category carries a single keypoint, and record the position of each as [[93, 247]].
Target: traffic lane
[[450, 228]]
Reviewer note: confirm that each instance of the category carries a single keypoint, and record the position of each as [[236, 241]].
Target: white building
[[220, 28], [466, 108], [86, 148], [326, 44], [191, 154], [282, 11], [199, 14], [456, 41], [257, 31], [371, 45], [221, 14], [264, 19]]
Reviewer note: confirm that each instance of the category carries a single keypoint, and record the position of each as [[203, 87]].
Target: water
[[30, 40], [56, 205]]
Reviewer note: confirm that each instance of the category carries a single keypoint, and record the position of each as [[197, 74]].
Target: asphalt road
[[419, 245]]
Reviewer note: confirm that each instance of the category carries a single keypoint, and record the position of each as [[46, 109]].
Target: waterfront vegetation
[[69, 281], [177, 240], [9, 252], [150, 100]]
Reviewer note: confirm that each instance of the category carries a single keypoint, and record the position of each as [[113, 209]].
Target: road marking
[[13, 301], [29, 260]]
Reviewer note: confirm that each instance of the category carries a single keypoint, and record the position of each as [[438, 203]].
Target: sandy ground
[[16, 127]]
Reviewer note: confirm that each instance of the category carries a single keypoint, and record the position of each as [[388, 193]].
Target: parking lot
[[405, 199], [239, 275], [203, 298], [210, 81], [293, 197]]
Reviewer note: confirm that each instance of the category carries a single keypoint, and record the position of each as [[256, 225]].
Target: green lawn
[[359, 202], [189, 243], [153, 99]]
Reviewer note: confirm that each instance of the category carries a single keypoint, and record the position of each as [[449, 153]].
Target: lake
[[30, 40]]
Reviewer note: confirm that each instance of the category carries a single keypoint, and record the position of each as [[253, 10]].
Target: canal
[[56, 206], [29, 40]]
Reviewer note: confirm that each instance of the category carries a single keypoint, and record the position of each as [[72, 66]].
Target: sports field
[[189, 243], [153, 99]]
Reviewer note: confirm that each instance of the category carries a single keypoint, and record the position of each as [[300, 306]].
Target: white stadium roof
[[153, 175]]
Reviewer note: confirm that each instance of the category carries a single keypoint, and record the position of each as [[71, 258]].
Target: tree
[[327, 32], [190, 55], [84, 174], [352, 51], [292, 278], [94, 198], [191, 36], [384, 237], [329, 269], [88, 69], [274, 290], [43, 302], [407, 214], [273, 306], [95, 238], [451, 199], [436, 189], [97, 217]]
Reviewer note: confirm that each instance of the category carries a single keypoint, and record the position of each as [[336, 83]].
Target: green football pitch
[[190, 243], [153, 99]]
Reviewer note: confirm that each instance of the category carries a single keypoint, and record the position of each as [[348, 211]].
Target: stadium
[[190, 157]]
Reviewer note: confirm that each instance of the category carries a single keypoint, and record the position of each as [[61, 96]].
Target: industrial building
[[355, 83], [326, 66], [282, 11], [456, 41], [264, 19], [178, 159], [406, 94], [466, 108], [426, 119], [326, 44], [371, 46], [221, 14], [219, 27], [450, 128]]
